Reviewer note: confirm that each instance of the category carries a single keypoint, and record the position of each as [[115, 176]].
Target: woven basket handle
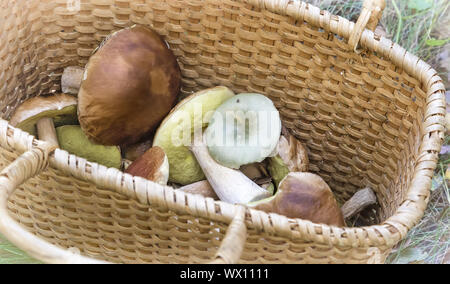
[[232, 246], [25, 167], [370, 16], [30, 164]]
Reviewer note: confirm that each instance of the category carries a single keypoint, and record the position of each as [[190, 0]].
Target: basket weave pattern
[[369, 117]]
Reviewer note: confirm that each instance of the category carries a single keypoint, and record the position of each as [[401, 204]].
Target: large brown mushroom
[[130, 84]]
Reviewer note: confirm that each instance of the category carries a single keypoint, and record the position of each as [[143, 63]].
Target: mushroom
[[230, 185], [360, 200], [201, 187], [71, 80], [46, 118], [305, 196], [125, 164], [72, 139], [60, 109], [205, 189], [174, 133], [268, 185], [135, 151], [153, 165], [291, 156], [130, 84], [255, 171], [243, 130]]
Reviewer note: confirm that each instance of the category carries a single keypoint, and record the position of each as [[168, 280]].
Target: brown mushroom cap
[[62, 108], [153, 165], [306, 196], [133, 152], [130, 84]]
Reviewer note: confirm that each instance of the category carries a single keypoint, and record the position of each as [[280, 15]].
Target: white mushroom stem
[[46, 131], [230, 185], [359, 201], [71, 80], [202, 188]]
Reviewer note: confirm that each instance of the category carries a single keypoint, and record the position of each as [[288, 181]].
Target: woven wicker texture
[[370, 115]]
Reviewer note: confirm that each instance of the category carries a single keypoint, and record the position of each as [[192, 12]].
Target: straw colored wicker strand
[[231, 248], [373, 118]]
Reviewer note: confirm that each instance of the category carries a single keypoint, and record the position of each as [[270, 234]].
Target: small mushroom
[[243, 130], [175, 132], [305, 196], [61, 109], [71, 80], [230, 185], [46, 118], [130, 84], [291, 156], [359, 201], [153, 165]]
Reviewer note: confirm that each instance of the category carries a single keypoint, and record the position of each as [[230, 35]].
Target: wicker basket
[[370, 113]]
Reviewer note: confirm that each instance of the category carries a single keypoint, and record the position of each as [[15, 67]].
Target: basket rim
[[387, 234]]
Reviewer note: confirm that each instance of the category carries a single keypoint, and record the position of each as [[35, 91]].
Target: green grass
[[429, 241], [413, 29], [422, 27], [9, 254]]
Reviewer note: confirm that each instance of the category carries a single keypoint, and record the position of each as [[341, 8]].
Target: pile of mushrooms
[[234, 145], [121, 111]]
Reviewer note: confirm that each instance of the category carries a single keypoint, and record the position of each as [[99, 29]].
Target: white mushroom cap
[[243, 130]]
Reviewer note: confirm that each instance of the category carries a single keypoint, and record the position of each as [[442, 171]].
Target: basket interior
[[359, 115]]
